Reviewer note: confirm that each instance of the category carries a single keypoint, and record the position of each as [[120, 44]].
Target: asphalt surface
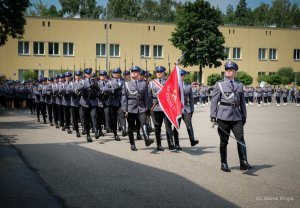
[[41, 166]]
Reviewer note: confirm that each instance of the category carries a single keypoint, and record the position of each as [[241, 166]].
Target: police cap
[[231, 65]]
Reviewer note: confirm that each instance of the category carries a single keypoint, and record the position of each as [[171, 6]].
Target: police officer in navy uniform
[[88, 89], [66, 101], [103, 102], [228, 109], [55, 106], [187, 113], [135, 104], [158, 116], [43, 98], [47, 91], [75, 101], [114, 88]]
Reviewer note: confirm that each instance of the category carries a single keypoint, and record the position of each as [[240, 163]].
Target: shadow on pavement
[[22, 125], [87, 178], [8, 139], [253, 171]]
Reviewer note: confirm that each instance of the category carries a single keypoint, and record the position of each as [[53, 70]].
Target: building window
[[261, 73], [68, 49], [272, 54], [23, 48], [227, 52], [100, 49], [114, 50], [53, 48], [296, 54], [38, 48], [157, 51], [236, 53], [272, 73], [145, 51], [262, 53]]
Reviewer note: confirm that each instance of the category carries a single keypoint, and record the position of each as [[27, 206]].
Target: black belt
[[230, 104]]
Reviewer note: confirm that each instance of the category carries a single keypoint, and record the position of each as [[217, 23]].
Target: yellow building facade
[[50, 45]]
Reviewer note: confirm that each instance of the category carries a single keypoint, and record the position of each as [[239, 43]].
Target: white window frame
[[53, 49], [143, 51], [23, 53], [101, 45], [234, 53], [39, 45], [227, 52], [112, 50], [156, 51], [296, 54], [260, 53], [67, 44], [271, 54]]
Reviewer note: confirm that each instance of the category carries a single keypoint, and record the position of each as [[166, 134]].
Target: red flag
[[170, 97]]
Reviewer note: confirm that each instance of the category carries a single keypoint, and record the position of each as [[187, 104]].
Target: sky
[[222, 4]]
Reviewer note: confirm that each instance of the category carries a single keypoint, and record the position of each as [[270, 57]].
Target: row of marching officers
[[105, 102]]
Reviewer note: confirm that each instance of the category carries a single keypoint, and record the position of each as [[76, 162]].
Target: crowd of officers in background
[[262, 96], [87, 103]]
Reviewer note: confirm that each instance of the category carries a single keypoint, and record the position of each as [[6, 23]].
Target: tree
[[12, 19], [260, 14], [149, 10], [197, 35], [41, 9], [279, 13], [166, 10], [30, 74], [229, 17], [245, 78], [286, 74], [89, 9], [274, 79], [70, 7], [124, 9], [243, 14], [213, 78]]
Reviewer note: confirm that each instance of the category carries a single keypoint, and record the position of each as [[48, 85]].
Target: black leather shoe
[[117, 138], [124, 133], [88, 138], [69, 131], [244, 165], [171, 147], [57, 126], [133, 148], [97, 136], [160, 148], [51, 123], [83, 132], [101, 133], [138, 137], [77, 134], [225, 168], [177, 147], [63, 128], [194, 142], [93, 131], [108, 130], [148, 142]]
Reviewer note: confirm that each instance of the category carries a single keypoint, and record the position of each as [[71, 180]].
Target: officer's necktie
[[136, 83], [231, 82]]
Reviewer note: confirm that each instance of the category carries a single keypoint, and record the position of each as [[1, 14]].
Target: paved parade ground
[[41, 166]]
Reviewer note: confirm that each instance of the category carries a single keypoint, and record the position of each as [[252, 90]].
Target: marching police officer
[[103, 102], [259, 94], [88, 89], [187, 113], [43, 98], [66, 101], [114, 87], [55, 107], [228, 111], [47, 91], [75, 99], [158, 116], [135, 105], [285, 94]]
